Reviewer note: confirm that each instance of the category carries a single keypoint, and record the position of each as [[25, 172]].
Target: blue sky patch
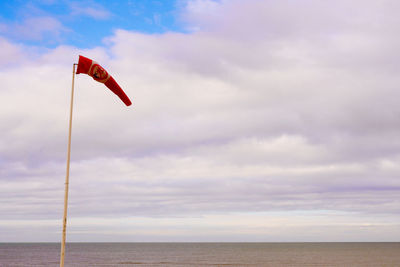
[[84, 23]]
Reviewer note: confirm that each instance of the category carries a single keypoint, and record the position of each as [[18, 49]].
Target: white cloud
[[10, 54], [262, 110], [35, 28], [90, 9]]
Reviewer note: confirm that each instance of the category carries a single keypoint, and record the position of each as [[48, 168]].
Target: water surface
[[202, 254]]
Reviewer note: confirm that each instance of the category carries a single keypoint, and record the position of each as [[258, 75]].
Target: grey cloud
[[291, 107]]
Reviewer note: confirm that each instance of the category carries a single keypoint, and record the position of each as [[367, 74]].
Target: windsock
[[93, 69]]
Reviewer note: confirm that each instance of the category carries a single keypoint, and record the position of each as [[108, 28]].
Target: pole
[[64, 230]]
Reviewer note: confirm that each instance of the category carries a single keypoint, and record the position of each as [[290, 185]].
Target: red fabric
[[84, 64], [93, 69]]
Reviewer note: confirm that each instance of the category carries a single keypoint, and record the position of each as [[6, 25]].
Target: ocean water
[[202, 254]]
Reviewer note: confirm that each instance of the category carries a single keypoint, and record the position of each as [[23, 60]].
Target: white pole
[[64, 230]]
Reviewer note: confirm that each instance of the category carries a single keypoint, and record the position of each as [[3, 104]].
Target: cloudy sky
[[252, 120]]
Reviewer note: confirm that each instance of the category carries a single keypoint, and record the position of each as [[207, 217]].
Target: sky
[[252, 121]]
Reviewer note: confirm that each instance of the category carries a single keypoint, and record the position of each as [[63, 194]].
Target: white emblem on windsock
[[98, 73]]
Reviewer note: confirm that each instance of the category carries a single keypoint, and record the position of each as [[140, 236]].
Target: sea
[[202, 254]]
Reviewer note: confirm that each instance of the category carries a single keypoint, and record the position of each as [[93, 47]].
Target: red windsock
[[93, 69]]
